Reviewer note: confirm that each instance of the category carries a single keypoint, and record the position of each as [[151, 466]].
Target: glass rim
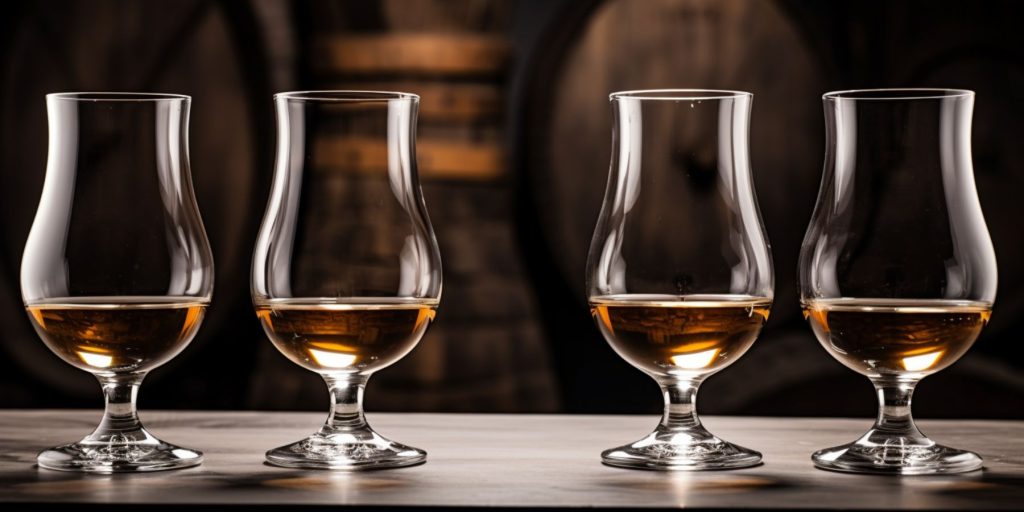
[[98, 96], [679, 94], [897, 94], [346, 95]]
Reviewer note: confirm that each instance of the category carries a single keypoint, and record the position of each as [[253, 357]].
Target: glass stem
[[680, 404], [894, 416], [120, 416], [346, 404]]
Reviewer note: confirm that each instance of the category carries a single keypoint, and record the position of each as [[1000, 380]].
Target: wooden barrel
[[211, 51], [455, 55], [486, 351], [787, 54]]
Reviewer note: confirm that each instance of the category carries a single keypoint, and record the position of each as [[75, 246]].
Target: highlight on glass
[[679, 274], [346, 288], [897, 269], [117, 271]]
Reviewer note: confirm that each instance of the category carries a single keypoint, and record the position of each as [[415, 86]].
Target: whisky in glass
[[352, 334], [696, 333]]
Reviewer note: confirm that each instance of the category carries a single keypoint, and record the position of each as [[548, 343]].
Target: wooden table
[[478, 460]]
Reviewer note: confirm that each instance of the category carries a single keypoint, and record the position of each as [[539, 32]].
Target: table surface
[[490, 460]]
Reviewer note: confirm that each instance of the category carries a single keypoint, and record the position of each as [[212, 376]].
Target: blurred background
[[513, 146]]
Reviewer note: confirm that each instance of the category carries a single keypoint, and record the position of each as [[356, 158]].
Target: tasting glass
[[679, 274], [897, 270], [117, 271], [346, 275]]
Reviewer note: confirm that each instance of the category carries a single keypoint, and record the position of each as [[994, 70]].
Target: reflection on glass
[[922, 362], [696, 360]]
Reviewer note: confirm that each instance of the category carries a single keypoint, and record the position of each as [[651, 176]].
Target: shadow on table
[[67, 486], [987, 486], [323, 481], [704, 482]]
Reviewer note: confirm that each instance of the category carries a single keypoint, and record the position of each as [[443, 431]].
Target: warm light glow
[[96, 360], [921, 362], [695, 360], [332, 359]]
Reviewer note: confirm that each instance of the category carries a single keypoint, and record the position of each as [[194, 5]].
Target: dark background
[[513, 148]]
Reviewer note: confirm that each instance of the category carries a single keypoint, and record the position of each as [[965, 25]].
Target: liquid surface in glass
[[880, 337], [670, 334], [345, 334], [117, 334]]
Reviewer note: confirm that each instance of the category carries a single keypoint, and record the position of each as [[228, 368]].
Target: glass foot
[[352, 451], [896, 456], [693, 450], [118, 454]]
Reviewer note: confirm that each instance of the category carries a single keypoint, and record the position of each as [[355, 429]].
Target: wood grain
[[508, 461], [413, 54], [438, 159], [441, 102]]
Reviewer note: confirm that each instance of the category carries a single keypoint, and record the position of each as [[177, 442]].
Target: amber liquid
[[117, 334], [889, 337], [345, 335], [696, 334]]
